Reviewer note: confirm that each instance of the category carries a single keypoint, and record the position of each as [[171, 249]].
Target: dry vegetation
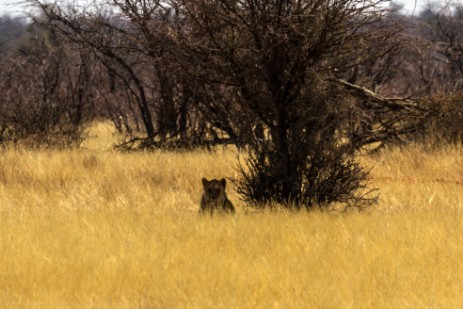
[[104, 229]]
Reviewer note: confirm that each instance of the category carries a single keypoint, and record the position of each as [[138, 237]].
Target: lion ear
[[223, 182], [205, 182]]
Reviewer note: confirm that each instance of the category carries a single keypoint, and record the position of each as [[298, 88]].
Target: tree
[[442, 26], [45, 91], [131, 40], [282, 59]]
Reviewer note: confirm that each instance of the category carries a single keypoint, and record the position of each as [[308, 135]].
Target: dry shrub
[[444, 123]]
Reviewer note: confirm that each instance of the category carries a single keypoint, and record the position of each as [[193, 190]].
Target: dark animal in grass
[[214, 198]]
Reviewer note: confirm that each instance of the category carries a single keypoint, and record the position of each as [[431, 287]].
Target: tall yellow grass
[[104, 229]]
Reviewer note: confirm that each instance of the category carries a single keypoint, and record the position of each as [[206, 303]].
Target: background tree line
[[300, 85]]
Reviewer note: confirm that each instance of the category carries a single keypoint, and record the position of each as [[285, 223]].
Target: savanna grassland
[[104, 229]]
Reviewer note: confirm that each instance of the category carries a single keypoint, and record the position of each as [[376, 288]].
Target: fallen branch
[[364, 93]]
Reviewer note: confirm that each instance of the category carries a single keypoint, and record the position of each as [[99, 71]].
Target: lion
[[214, 197]]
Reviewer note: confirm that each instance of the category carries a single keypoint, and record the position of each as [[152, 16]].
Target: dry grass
[[105, 229]]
